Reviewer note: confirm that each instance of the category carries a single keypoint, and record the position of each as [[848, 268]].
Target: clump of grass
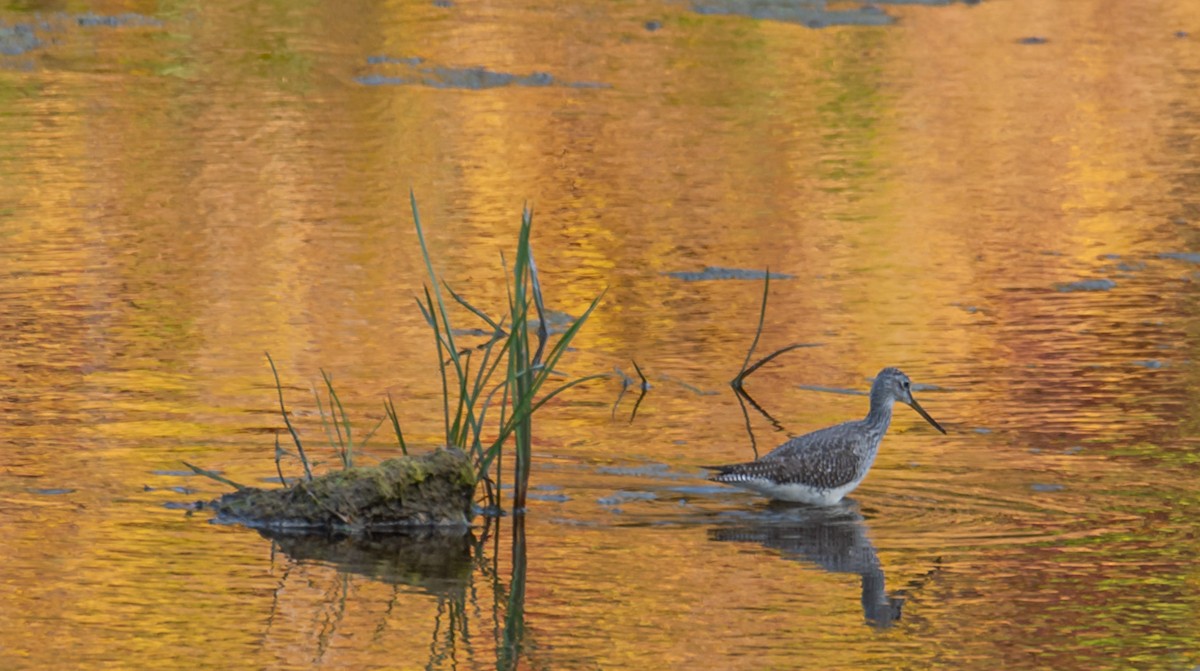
[[509, 375], [469, 391]]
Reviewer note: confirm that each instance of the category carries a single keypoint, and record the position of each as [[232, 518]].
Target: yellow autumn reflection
[[999, 198]]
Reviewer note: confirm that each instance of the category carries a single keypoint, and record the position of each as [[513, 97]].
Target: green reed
[[471, 378]]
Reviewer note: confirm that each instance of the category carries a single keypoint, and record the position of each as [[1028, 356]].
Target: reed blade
[[291, 429]]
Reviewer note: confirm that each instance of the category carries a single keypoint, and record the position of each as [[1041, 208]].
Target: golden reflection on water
[[180, 198]]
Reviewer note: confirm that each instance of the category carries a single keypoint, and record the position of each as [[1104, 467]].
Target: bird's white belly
[[799, 493]]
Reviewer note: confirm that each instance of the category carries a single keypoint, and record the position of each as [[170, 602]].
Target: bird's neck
[[880, 415]]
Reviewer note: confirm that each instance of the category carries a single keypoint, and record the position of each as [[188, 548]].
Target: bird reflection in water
[[834, 538]]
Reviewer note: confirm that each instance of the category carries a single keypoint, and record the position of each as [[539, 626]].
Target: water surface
[[999, 198]]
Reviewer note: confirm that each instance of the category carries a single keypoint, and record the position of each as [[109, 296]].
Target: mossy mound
[[433, 490]]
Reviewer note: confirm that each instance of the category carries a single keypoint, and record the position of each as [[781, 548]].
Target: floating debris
[[719, 273], [1086, 285], [1033, 40], [52, 491]]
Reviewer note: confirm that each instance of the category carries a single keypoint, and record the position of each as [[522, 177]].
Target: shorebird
[[821, 467]]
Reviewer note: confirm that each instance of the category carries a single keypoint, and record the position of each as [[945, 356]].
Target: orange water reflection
[[184, 194]]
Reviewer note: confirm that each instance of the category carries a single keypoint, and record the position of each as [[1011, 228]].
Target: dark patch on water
[[52, 491], [810, 13], [474, 78], [648, 471], [690, 387], [1152, 364], [832, 390], [17, 39], [174, 474], [982, 431], [1181, 34], [652, 25], [623, 496], [380, 60], [702, 490], [112, 21], [1190, 257], [1102, 284], [1045, 487], [557, 321], [1074, 449], [1033, 39], [177, 489], [552, 498], [445, 4], [569, 522], [719, 273], [21, 38]]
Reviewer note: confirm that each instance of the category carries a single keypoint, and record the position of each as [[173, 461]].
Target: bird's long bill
[[917, 406]]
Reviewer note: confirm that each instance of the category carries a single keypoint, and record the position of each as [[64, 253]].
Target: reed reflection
[[834, 538], [456, 568]]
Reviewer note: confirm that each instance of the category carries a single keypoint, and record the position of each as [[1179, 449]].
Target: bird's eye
[[904, 384]]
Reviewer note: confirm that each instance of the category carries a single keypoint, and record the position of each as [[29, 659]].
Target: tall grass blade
[[215, 476], [441, 366], [390, 409], [288, 422], [762, 315], [279, 452], [333, 442], [362, 446], [429, 265], [347, 444], [474, 310]]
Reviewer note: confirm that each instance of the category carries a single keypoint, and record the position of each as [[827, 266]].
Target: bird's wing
[[837, 438], [823, 469]]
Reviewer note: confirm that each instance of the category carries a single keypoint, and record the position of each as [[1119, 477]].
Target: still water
[[1001, 198]]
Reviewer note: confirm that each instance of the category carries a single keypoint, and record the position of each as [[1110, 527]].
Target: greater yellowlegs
[[821, 467]]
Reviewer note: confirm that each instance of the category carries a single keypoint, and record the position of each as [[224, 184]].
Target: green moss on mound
[[407, 492]]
